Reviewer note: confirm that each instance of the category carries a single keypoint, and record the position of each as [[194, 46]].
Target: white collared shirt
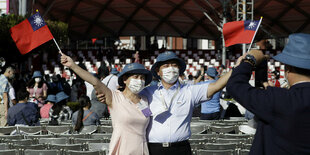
[[172, 125]]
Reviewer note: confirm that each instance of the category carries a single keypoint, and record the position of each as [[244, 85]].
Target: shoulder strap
[[87, 116], [109, 80]]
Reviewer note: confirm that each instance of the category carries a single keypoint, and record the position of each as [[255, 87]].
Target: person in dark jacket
[[23, 113], [283, 125]]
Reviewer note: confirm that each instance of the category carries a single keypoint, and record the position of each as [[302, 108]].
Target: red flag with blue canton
[[239, 32], [30, 33]]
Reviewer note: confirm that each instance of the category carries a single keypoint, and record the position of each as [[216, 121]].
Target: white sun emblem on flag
[[252, 25], [38, 20]]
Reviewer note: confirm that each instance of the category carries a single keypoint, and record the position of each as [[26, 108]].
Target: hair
[[103, 71], [32, 82], [83, 101], [301, 71], [277, 74], [57, 107], [190, 77], [9, 68], [22, 94]]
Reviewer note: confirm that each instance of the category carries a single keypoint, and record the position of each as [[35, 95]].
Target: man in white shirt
[[172, 105]]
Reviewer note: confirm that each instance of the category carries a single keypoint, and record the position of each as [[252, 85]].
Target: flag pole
[[57, 46], [261, 18]]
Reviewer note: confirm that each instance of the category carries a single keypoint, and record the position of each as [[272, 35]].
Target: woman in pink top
[[50, 101], [37, 89], [129, 112]]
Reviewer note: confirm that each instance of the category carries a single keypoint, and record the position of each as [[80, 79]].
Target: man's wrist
[[251, 63]]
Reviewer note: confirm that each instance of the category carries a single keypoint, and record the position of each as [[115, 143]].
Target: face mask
[[136, 85], [170, 74], [37, 79]]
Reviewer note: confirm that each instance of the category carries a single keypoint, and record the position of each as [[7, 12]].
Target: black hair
[[57, 107], [301, 71], [32, 82], [190, 77], [277, 74], [83, 101], [103, 70], [22, 94]]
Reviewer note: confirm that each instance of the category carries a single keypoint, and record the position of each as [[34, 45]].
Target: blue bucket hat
[[135, 68], [51, 98], [36, 74], [212, 72], [166, 56], [296, 52], [114, 71], [61, 96]]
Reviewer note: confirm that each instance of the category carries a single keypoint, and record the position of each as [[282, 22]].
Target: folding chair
[[198, 141], [101, 136], [39, 136], [97, 146], [30, 130], [71, 152], [88, 129], [77, 147], [4, 146], [215, 152], [7, 130], [83, 141], [53, 141], [204, 136], [224, 129], [245, 136], [41, 152], [34, 147], [197, 128], [22, 142], [236, 140], [73, 136], [11, 137], [105, 129], [244, 152], [58, 129], [106, 122], [10, 152], [220, 146]]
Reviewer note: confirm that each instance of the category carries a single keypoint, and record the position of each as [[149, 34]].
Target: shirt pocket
[[181, 108]]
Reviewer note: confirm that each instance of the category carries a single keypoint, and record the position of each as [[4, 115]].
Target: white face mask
[[37, 79], [136, 85], [170, 74]]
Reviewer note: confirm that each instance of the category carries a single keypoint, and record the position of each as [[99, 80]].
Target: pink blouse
[[38, 92]]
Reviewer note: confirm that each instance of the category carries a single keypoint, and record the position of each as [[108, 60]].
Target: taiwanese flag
[[30, 33], [239, 32]]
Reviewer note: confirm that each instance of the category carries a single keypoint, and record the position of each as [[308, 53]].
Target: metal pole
[[243, 18], [223, 40], [223, 46]]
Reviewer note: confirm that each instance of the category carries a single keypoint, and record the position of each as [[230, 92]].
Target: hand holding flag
[[30, 33]]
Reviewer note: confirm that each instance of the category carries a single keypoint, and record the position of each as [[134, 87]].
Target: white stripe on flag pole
[[261, 18], [56, 44]]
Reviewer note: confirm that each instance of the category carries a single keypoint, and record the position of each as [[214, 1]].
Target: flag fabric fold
[[30, 33], [239, 32]]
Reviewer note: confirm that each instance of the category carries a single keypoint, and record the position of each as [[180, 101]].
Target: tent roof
[[98, 18]]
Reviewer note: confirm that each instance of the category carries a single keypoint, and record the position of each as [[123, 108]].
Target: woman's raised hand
[[66, 60]]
